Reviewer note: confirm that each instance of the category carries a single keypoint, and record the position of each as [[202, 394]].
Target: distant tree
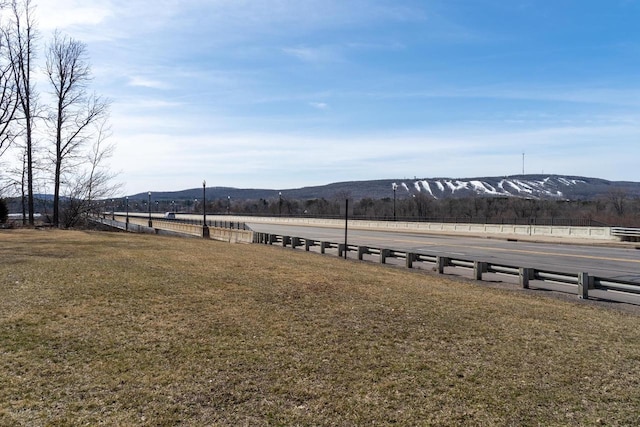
[[422, 203], [618, 200], [316, 207], [365, 207]]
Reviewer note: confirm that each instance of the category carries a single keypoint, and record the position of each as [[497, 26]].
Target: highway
[[609, 262]]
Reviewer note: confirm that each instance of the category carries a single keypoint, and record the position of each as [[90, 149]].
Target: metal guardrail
[[628, 234], [583, 281]]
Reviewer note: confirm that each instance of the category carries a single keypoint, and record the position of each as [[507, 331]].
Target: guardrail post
[[285, 241], [341, 250], [479, 267], [361, 251], [307, 244], [583, 285], [410, 258], [323, 247], [441, 263], [384, 253], [295, 242], [525, 275]]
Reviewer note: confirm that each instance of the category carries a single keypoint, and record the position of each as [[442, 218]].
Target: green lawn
[[122, 329]]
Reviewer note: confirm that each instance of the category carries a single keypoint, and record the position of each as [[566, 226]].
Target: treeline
[[616, 209]]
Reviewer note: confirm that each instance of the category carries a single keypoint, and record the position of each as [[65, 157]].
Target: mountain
[[557, 187]]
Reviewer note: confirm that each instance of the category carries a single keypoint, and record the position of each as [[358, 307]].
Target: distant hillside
[[522, 186]]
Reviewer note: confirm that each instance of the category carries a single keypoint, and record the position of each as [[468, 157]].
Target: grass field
[[117, 329]]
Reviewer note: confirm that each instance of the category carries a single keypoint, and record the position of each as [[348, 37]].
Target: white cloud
[[319, 105], [314, 54], [146, 82], [62, 14], [231, 90], [246, 159]]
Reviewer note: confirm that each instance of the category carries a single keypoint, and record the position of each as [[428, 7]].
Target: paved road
[[614, 263]]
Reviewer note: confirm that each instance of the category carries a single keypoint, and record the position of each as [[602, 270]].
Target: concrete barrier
[[161, 226], [178, 227], [506, 230], [587, 233]]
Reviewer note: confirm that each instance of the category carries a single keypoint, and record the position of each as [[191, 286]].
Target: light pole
[[395, 187], [126, 205], [149, 206], [228, 204], [280, 203], [413, 196], [113, 210], [205, 228]]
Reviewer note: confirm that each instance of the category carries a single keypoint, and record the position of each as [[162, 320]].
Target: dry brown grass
[[116, 329]]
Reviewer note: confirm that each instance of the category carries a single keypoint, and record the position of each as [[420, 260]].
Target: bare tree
[[99, 183], [8, 100], [90, 181], [69, 73], [20, 39], [618, 199], [8, 104]]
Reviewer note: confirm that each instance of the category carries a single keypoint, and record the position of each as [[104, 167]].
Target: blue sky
[[290, 93]]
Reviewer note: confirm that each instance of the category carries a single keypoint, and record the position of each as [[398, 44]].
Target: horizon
[[390, 180], [415, 179], [297, 93], [527, 186]]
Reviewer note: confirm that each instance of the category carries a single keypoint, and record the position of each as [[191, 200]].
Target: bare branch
[[20, 38], [75, 111]]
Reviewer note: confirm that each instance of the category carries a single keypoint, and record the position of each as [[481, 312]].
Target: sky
[[292, 93]]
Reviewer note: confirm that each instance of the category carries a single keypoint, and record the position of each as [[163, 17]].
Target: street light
[[205, 228], [113, 210], [228, 204], [149, 205], [395, 187], [280, 204], [126, 204]]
